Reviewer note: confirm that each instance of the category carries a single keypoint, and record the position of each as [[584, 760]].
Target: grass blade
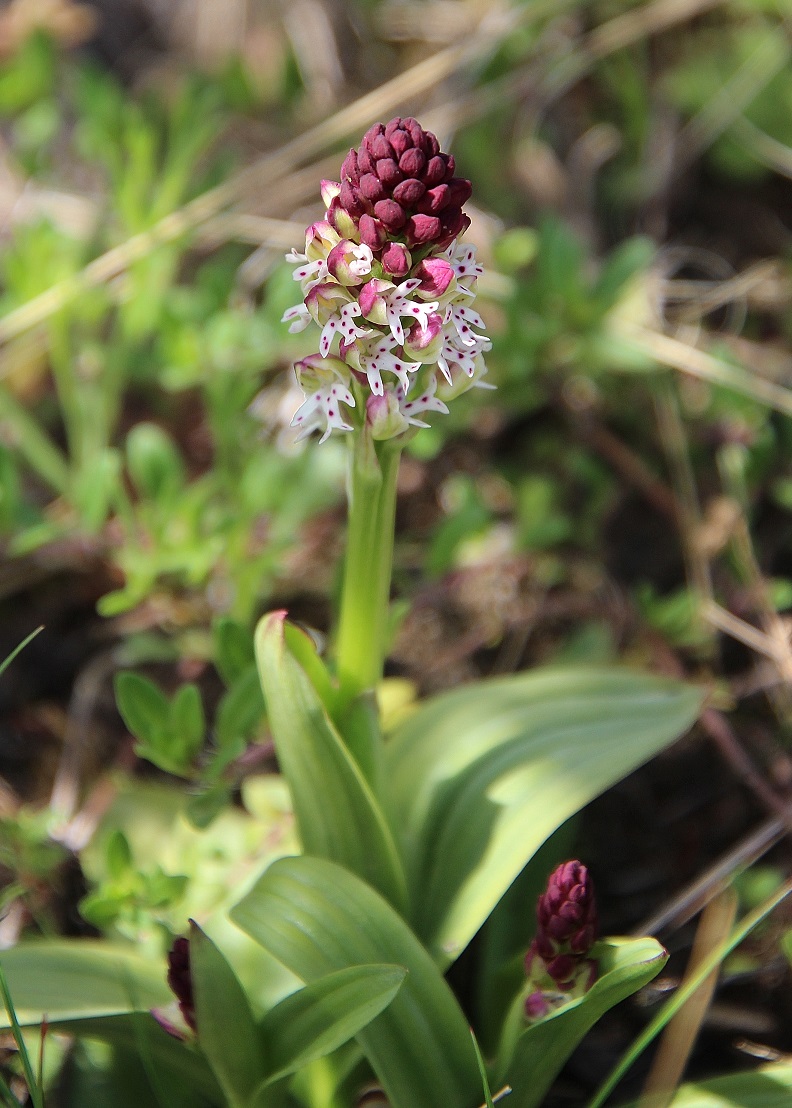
[[684, 992]]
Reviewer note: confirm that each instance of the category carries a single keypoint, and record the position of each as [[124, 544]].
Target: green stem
[[363, 623]]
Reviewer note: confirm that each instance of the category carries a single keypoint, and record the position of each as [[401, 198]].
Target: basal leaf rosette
[[387, 279]]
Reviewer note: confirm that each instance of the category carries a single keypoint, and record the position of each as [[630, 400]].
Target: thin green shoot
[[18, 649], [42, 1040], [33, 1086], [684, 992], [490, 1100]]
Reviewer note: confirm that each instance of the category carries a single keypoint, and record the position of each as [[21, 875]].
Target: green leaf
[[175, 1067], [479, 777], [337, 815], [766, 1087], [143, 707], [323, 1016], [317, 918], [241, 709], [187, 722], [227, 1032], [532, 1056], [80, 980], [233, 649]]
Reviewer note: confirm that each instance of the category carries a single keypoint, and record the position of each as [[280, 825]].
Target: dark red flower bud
[[423, 228], [372, 188], [389, 173], [396, 259], [459, 191], [435, 171], [434, 200], [351, 200], [379, 148], [372, 232], [408, 192], [412, 161], [349, 168], [391, 214], [180, 979]]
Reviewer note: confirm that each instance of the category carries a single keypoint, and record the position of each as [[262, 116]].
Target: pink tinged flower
[[375, 357], [424, 341], [451, 357], [323, 383], [464, 319], [340, 220], [320, 238], [344, 326], [464, 264], [398, 304], [371, 299], [567, 928], [426, 402], [297, 317], [436, 275], [349, 262], [536, 1005], [330, 191], [325, 301], [384, 416]]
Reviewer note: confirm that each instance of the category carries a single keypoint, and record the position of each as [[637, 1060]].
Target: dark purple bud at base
[[180, 980]]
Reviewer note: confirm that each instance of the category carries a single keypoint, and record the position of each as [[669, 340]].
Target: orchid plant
[[417, 842]]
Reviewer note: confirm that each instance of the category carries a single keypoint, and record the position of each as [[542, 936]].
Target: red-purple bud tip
[[180, 979], [567, 924], [399, 183]]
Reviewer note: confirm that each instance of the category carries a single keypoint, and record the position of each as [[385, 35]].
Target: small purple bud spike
[[567, 928]]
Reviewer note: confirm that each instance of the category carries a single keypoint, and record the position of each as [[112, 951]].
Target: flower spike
[[386, 279]]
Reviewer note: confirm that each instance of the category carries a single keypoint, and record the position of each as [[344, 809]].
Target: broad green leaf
[[337, 815], [80, 980], [532, 1055], [317, 918], [480, 776], [227, 1031], [766, 1087], [323, 1016], [143, 707]]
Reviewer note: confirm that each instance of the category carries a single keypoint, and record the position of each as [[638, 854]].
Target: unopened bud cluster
[[558, 961], [180, 979], [386, 279]]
